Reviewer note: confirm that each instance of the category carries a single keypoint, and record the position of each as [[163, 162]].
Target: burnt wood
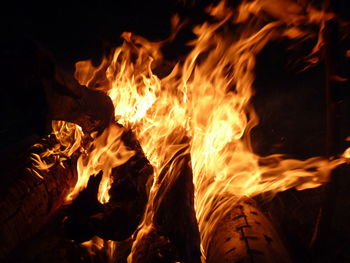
[[35, 91], [128, 194], [175, 215], [118, 219], [174, 236], [28, 203]]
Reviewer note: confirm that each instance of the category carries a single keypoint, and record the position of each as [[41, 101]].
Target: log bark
[[30, 201], [35, 91], [175, 217], [118, 219], [68, 101], [128, 194], [246, 235], [174, 235]]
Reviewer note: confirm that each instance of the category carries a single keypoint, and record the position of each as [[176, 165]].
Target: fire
[[347, 153], [203, 105], [97, 244], [103, 153], [67, 139]]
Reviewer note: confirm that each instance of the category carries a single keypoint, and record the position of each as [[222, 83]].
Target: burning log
[[119, 217], [175, 235], [67, 100], [154, 248], [81, 224], [30, 202], [175, 216], [128, 194], [246, 235], [36, 91]]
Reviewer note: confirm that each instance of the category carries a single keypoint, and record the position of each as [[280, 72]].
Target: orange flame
[[67, 136], [207, 99], [97, 244], [104, 153], [203, 105]]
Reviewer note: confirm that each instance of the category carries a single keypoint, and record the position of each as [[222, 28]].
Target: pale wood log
[[246, 235]]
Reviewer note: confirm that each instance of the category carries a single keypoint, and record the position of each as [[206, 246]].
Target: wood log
[[50, 244], [154, 248], [128, 194], [36, 91], [81, 218], [246, 235], [175, 217], [118, 219], [175, 235], [90, 109], [29, 202]]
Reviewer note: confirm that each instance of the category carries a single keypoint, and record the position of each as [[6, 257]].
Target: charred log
[[174, 235], [28, 205], [50, 244], [35, 91], [118, 219], [175, 217], [69, 101], [82, 222], [30, 201], [155, 248], [128, 194]]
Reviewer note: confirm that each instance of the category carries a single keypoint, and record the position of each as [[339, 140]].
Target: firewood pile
[[37, 225], [57, 230], [146, 218]]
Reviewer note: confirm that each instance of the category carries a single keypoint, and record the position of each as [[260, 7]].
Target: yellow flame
[[103, 154], [96, 245], [67, 136], [207, 99], [202, 105], [346, 154]]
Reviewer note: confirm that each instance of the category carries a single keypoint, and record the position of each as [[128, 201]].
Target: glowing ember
[[347, 153], [68, 138]]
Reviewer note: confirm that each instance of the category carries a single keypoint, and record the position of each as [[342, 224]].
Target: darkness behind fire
[[291, 104]]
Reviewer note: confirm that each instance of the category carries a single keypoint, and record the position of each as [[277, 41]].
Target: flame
[[207, 99], [104, 153], [347, 153], [203, 106], [66, 137], [96, 245]]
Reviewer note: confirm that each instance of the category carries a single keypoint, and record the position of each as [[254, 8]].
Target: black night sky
[[78, 30]]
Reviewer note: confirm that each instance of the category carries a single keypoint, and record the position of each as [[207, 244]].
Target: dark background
[[77, 30]]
